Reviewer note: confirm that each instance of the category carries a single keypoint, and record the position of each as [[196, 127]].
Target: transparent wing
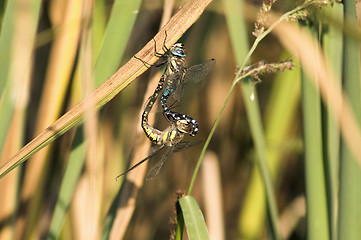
[[181, 146], [153, 151], [156, 164], [195, 74]]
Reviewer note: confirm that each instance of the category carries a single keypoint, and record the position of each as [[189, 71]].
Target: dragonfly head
[[184, 123], [178, 50]]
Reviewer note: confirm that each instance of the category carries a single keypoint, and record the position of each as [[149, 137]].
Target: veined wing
[[181, 146], [153, 151], [156, 164], [195, 74]]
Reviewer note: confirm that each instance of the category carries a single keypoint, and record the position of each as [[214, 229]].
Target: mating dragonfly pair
[[172, 83]]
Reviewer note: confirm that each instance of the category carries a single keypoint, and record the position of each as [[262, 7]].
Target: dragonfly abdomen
[[153, 134]]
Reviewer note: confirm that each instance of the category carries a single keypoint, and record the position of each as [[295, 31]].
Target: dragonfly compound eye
[[183, 126], [189, 125], [178, 50]]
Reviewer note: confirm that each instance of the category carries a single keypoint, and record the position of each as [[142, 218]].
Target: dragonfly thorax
[[176, 66], [170, 136]]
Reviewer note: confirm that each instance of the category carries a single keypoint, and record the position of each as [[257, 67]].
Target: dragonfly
[[176, 76], [179, 125]]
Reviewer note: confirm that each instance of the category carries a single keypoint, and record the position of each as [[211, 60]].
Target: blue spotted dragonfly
[[173, 80], [176, 76]]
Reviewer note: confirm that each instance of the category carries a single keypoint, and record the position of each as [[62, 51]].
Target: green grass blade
[[12, 60], [238, 28], [6, 44], [121, 22], [350, 192], [317, 216], [180, 223], [238, 34], [281, 113], [332, 45], [193, 219], [254, 120], [70, 180], [6, 37], [316, 201], [6, 113], [98, 26]]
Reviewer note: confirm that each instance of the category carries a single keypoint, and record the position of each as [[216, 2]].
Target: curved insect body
[[171, 135], [175, 76]]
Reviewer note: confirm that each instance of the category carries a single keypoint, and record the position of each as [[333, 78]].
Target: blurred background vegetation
[[53, 53]]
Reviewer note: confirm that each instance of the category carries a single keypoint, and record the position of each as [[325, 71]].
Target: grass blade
[[193, 219], [281, 113], [253, 113], [116, 38], [68, 185], [350, 193], [332, 44], [317, 215]]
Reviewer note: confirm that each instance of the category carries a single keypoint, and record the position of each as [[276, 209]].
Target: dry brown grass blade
[[175, 28], [134, 180], [213, 192]]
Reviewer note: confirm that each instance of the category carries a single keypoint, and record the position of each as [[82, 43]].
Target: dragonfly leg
[[157, 54], [164, 48], [155, 49], [148, 65]]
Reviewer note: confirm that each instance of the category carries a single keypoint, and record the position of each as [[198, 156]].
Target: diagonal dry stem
[[175, 28]]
